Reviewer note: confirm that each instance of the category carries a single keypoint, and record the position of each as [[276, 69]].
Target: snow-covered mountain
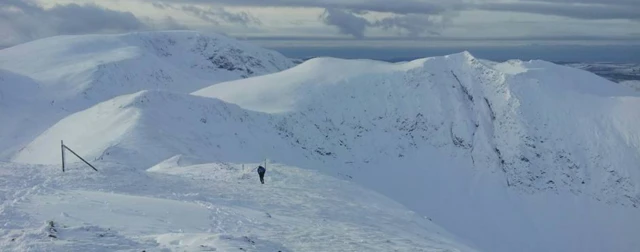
[[99, 67], [512, 156], [76, 72], [172, 173], [513, 117], [532, 151]]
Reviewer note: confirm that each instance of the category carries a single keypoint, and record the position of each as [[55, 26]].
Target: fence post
[[62, 149], [74, 153]]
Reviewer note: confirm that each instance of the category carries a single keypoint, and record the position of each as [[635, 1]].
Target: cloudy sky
[[401, 23]]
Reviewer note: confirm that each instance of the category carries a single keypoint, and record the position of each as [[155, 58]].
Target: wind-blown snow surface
[[513, 156], [66, 74], [202, 207]]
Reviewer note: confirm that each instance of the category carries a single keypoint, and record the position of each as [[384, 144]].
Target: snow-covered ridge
[[103, 66], [516, 117], [73, 73], [146, 127]]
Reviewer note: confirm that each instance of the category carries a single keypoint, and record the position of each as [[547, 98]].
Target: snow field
[[205, 207]]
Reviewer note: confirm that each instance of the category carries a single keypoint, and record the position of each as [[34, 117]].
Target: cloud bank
[[430, 17], [581, 9], [24, 20]]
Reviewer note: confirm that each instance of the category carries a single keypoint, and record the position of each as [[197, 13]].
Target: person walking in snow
[[261, 171]]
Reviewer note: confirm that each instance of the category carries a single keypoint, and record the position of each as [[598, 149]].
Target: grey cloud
[[581, 9], [79, 19], [603, 2], [159, 5], [24, 21], [420, 17], [28, 21], [346, 21], [213, 15], [169, 23], [415, 24], [631, 37], [399, 7], [243, 18], [568, 10], [166, 23], [343, 14], [200, 13]]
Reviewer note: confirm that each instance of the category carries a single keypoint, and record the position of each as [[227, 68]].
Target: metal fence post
[[62, 149], [74, 153]]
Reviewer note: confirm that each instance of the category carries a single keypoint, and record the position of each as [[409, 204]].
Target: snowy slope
[[76, 72], [22, 106], [203, 207], [535, 121], [146, 127], [530, 150], [543, 156]]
